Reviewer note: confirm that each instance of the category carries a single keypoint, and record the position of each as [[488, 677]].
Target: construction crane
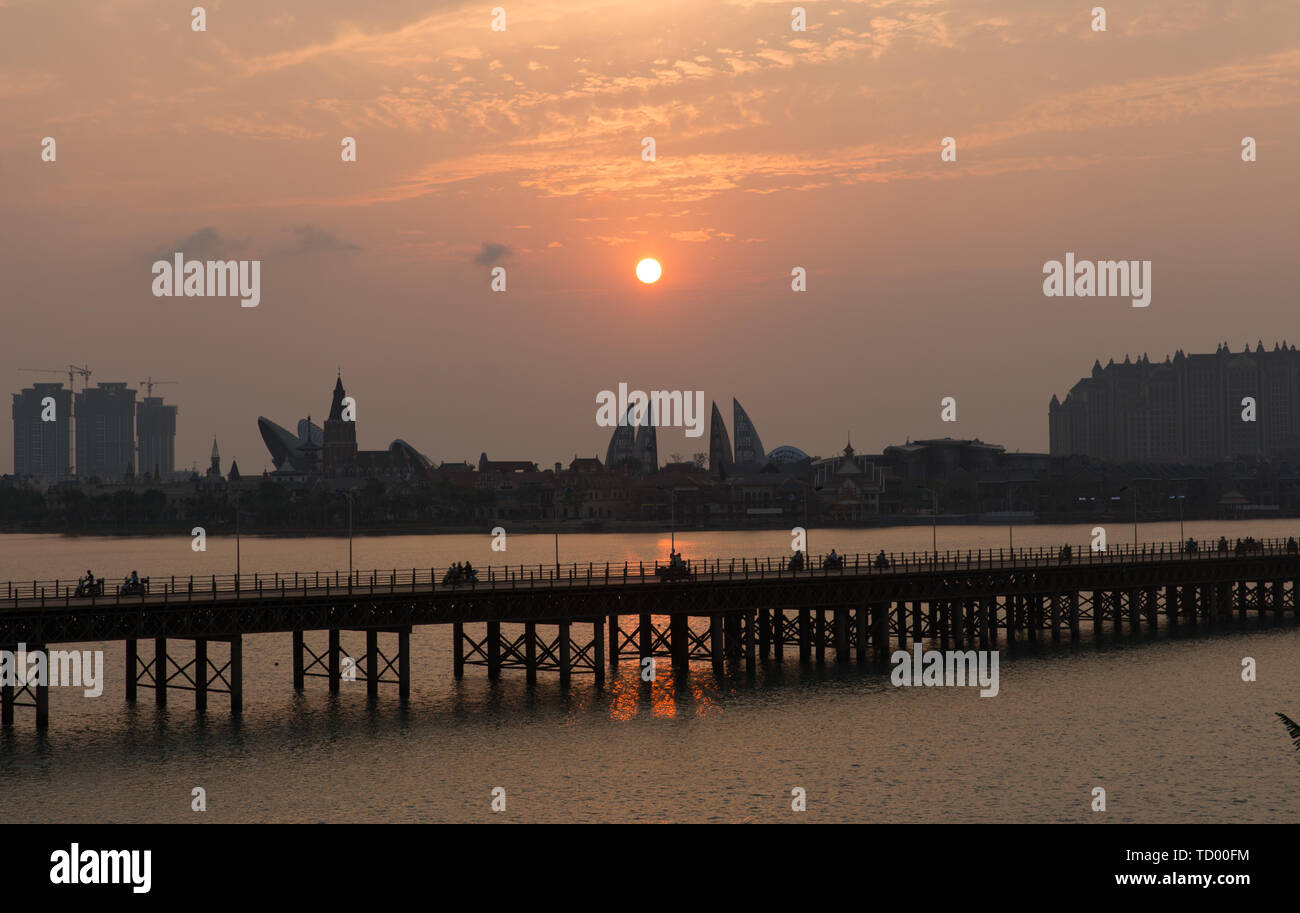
[[150, 383], [72, 371]]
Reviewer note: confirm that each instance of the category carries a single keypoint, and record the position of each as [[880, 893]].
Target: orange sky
[[775, 149]]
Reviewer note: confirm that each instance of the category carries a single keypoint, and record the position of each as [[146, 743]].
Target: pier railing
[[701, 569]]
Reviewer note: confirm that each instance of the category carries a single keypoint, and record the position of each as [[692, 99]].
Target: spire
[[336, 403]]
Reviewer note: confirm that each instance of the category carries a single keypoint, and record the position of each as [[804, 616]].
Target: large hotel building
[[1187, 409]]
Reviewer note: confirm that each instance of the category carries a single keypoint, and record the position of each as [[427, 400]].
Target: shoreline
[[619, 527]]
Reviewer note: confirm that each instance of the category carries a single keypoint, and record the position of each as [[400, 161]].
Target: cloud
[[309, 239], [205, 244], [491, 252]]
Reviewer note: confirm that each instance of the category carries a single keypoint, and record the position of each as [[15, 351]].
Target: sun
[[649, 270]]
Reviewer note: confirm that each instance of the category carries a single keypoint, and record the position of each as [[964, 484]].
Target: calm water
[[1168, 729]]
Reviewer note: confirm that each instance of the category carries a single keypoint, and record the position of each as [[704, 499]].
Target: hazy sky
[[775, 149]]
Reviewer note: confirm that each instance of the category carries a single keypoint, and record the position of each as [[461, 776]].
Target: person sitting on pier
[[833, 561], [470, 574], [1191, 547], [1223, 543], [1065, 554], [881, 560], [796, 561], [1292, 546]]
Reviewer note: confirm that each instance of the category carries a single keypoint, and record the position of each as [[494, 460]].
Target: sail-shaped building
[[720, 462], [749, 449]]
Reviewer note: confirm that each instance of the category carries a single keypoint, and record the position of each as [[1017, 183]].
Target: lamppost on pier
[[672, 518], [559, 505], [237, 565], [805, 517], [1124, 488], [934, 514], [348, 493], [1180, 499]]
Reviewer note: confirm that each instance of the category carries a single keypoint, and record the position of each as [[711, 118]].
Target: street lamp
[[1180, 499], [934, 514], [1123, 489], [237, 566], [672, 517], [805, 516], [672, 520], [563, 498], [1135, 519], [347, 493]]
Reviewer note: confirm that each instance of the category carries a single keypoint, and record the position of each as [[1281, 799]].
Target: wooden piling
[[820, 636], [41, 691], [236, 674], [715, 643], [457, 650], [805, 636], [7, 697], [751, 641], [494, 650], [372, 663], [841, 634], [566, 668], [299, 678], [132, 668], [160, 671], [404, 665], [880, 631], [200, 674], [333, 660], [530, 651]]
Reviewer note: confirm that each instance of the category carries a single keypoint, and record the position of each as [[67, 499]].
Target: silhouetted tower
[[340, 450]]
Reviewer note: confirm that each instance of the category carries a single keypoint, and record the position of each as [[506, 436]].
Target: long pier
[[579, 619]]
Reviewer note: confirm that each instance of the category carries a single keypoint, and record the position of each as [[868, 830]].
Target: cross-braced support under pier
[[526, 646], [373, 666], [34, 694], [201, 674]]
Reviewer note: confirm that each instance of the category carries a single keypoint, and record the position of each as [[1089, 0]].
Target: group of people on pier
[[461, 573], [132, 584]]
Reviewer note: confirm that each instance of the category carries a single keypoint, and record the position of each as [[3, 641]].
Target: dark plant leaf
[[1292, 728]]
